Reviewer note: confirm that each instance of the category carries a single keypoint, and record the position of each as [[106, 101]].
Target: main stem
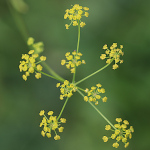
[[63, 108], [73, 80], [94, 72], [97, 110]]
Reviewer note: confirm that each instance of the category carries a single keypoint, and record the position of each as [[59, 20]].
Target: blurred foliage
[[126, 22]]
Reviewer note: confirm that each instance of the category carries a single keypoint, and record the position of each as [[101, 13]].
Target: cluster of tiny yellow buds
[[72, 60], [75, 14], [38, 47], [112, 53], [50, 124], [94, 94], [121, 133], [66, 89], [29, 64]]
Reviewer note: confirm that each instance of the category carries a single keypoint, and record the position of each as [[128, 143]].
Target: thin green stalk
[[78, 36], [52, 72], [81, 89], [63, 108], [97, 110], [49, 75], [94, 72], [19, 22], [73, 80], [101, 114]]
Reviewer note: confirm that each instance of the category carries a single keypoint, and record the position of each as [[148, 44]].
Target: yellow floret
[[24, 77], [116, 145], [107, 127], [104, 99], [117, 125], [117, 132], [41, 112], [42, 58], [126, 145], [72, 70], [102, 90], [86, 14], [50, 113], [57, 137], [118, 138], [39, 67], [63, 62], [103, 56], [124, 140], [85, 98], [65, 16], [61, 129], [35, 55], [75, 23], [82, 24], [48, 135], [67, 26], [126, 122], [58, 85], [63, 120], [66, 82], [105, 46], [105, 138], [31, 69], [43, 133], [30, 41], [86, 8], [115, 66], [108, 61], [38, 75], [118, 119], [113, 136], [31, 52]]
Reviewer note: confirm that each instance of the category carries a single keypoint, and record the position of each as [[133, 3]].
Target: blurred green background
[[126, 22]]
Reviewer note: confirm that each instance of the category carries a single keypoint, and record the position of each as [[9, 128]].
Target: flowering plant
[[33, 62]]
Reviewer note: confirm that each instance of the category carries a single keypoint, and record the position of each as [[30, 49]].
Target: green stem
[[94, 72], [45, 117], [101, 114], [52, 72], [73, 80], [78, 36], [81, 89], [19, 22], [49, 75], [97, 110], [62, 108]]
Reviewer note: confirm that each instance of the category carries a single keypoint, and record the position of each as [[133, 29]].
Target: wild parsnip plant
[[33, 62]]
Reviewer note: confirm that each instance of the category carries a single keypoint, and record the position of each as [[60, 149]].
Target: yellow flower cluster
[[75, 14], [50, 124], [73, 61], [66, 89], [94, 94], [29, 64], [112, 53], [121, 133], [38, 47]]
